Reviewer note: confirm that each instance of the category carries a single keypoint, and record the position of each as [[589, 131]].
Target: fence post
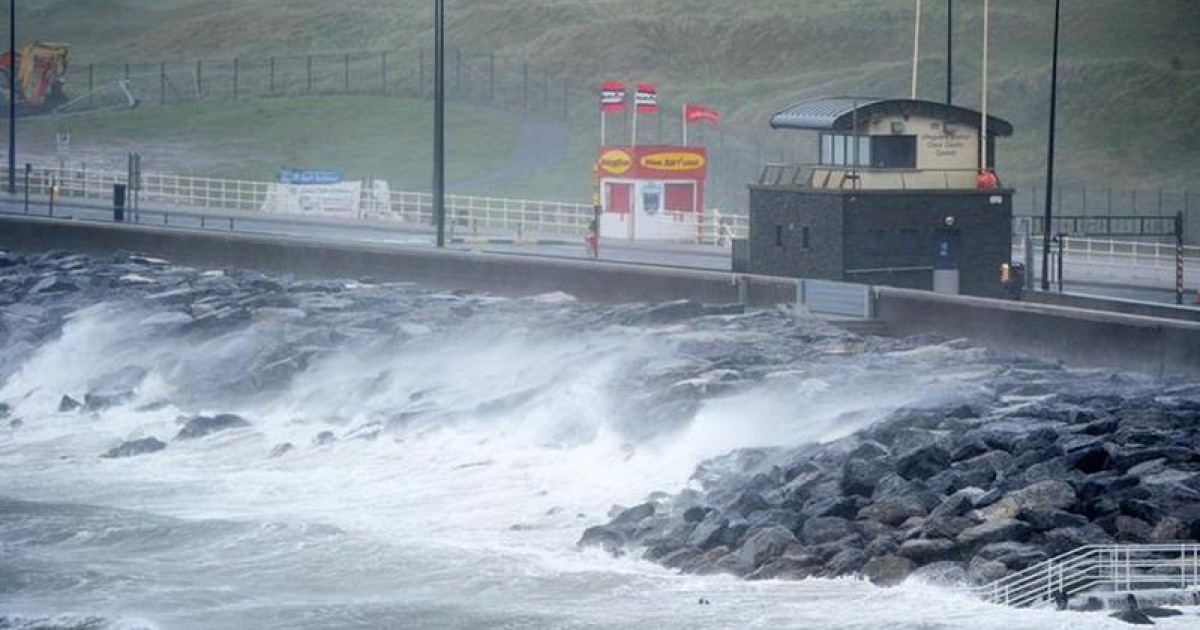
[[491, 77], [235, 78], [383, 72], [308, 84], [162, 83], [199, 77], [525, 85], [346, 73], [271, 73]]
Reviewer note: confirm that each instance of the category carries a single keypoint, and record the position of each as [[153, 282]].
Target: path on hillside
[[541, 144]]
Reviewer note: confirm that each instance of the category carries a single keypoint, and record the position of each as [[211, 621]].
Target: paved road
[[1150, 285]]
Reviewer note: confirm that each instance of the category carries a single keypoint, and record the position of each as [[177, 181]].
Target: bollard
[[118, 203]]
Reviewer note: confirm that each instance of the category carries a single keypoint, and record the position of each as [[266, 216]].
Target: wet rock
[[634, 515], [924, 551], [279, 450], [1001, 530], [984, 571], [324, 438], [1042, 518], [695, 514], [605, 537], [893, 511], [66, 403], [1015, 556], [845, 562], [825, 529], [135, 447], [200, 426], [860, 476], [763, 544], [923, 462], [888, 570], [946, 574]]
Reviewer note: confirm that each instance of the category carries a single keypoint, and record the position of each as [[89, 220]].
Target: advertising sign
[[307, 176], [612, 97]]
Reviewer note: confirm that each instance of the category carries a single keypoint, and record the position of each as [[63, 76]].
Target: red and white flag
[[692, 113], [646, 98], [612, 96]]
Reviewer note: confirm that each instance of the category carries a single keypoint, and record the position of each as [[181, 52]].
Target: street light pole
[[1050, 156], [439, 126], [12, 97], [949, 51]]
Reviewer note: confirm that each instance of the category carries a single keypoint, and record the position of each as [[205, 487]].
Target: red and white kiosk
[[652, 192]]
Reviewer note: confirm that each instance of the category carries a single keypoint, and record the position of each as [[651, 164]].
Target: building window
[[845, 150], [804, 237], [778, 236], [894, 151]]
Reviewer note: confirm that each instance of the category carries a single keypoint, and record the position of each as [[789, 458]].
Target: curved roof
[[838, 114]]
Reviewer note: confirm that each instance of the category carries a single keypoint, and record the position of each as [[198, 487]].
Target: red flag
[[692, 113], [646, 98], [612, 96]]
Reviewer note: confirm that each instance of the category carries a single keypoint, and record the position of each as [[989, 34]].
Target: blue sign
[[305, 176], [946, 254]]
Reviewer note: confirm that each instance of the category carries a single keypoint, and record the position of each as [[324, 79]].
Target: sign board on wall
[[309, 176]]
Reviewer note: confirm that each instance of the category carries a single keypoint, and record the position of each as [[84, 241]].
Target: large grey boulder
[[135, 447], [1002, 530], [764, 544]]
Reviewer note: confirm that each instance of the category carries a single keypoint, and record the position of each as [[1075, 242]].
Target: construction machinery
[[40, 67]]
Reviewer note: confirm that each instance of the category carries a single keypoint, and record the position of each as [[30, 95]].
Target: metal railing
[[1096, 251], [466, 215], [826, 176], [1112, 569]]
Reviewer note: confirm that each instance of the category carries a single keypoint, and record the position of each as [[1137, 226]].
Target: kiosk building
[[904, 193]]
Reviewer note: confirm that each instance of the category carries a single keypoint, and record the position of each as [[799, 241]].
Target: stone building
[[899, 196]]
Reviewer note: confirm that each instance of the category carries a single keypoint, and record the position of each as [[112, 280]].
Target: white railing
[[1117, 253], [1111, 569], [467, 215]]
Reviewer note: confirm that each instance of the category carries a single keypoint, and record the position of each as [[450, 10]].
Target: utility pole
[[12, 97], [439, 112], [1046, 229], [949, 52]]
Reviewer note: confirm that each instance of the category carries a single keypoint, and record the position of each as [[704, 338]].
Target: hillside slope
[[1130, 71]]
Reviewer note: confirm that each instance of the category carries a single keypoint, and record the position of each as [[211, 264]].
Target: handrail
[[1117, 568], [468, 215]]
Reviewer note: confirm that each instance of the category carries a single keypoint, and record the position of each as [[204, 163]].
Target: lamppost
[[1050, 156], [439, 112], [949, 51], [12, 97]]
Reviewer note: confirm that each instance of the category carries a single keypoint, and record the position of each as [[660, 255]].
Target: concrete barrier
[[451, 269], [1078, 336], [1115, 305], [1138, 343]]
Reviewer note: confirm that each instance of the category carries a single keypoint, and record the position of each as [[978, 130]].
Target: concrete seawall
[[451, 269], [1078, 336]]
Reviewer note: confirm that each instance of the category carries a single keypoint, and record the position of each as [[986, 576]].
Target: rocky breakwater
[[960, 495]]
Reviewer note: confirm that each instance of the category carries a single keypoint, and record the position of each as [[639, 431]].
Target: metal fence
[[466, 215]]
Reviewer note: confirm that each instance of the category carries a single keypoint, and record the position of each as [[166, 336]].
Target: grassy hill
[[1129, 72]]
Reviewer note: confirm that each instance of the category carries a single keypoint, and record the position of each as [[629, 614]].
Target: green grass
[[363, 136], [1130, 69]]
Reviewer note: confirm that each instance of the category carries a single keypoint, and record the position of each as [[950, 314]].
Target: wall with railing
[[466, 215]]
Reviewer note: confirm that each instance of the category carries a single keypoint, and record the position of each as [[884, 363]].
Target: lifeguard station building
[[901, 194]]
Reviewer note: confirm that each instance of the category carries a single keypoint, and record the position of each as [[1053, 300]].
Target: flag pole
[[983, 158], [683, 122], [633, 131], [916, 50]]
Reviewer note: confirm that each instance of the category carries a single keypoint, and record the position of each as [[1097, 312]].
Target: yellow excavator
[[40, 67]]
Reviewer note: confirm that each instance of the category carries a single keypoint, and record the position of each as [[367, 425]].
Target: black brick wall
[[874, 230]]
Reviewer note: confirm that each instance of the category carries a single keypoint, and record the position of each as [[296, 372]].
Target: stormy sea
[[215, 448]]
